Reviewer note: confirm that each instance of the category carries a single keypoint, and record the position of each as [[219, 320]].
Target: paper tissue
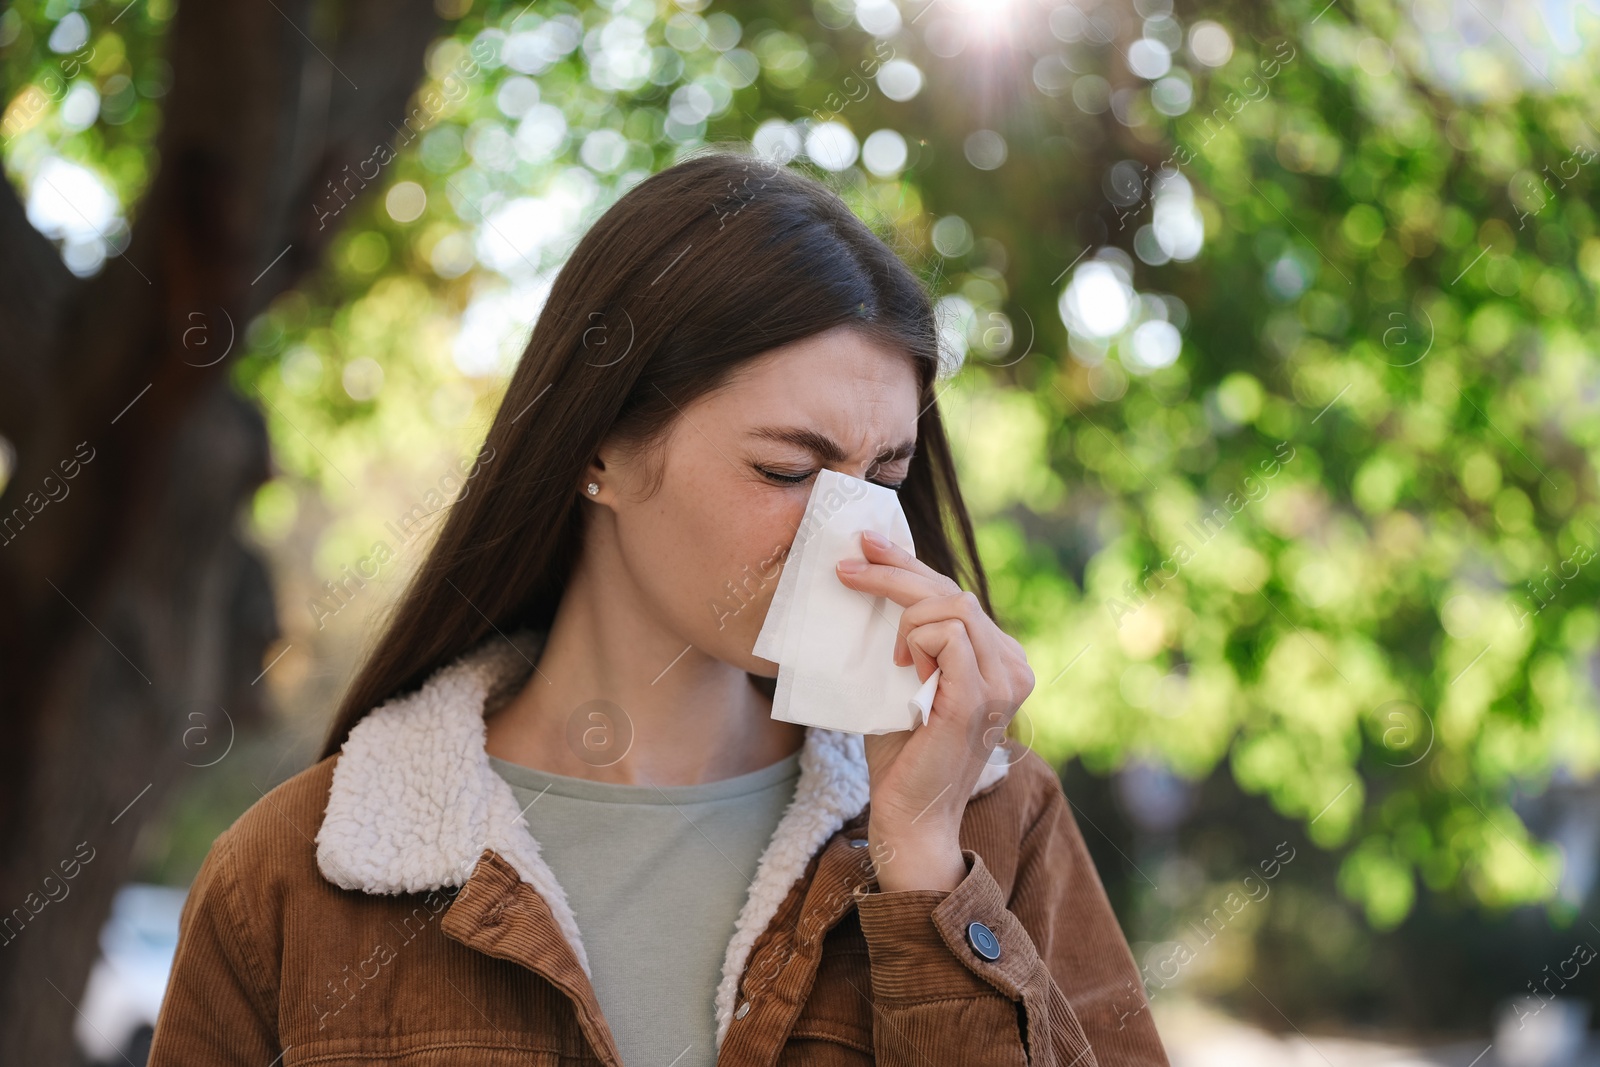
[[834, 645]]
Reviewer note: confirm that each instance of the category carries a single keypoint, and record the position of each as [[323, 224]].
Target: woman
[[554, 821]]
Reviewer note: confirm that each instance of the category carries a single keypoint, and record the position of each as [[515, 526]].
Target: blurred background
[[1272, 331]]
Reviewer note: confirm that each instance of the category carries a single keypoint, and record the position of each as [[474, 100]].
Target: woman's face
[[703, 553]]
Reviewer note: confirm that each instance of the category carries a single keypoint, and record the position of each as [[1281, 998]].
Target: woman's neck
[[618, 697]]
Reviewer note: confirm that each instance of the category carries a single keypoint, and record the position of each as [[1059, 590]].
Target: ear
[[594, 474]]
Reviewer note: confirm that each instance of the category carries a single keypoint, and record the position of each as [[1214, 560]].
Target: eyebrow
[[825, 446]]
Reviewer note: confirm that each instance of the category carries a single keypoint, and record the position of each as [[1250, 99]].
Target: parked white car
[[137, 943]]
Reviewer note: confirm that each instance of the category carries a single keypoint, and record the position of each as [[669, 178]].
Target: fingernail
[[875, 540], [851, 566]]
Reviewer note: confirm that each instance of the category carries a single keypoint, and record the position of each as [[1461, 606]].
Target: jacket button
[[983, 941], [744, 1009], [858, 842]]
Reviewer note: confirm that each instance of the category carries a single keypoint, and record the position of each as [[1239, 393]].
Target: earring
[[593, 487]]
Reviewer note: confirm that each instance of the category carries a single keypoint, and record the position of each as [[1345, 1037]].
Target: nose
[[855, 470]]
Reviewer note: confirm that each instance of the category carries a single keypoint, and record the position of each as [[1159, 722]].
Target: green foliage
[[84, 81], [1319, 508]]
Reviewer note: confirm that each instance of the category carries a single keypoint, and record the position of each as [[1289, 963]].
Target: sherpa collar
[[414, 801]]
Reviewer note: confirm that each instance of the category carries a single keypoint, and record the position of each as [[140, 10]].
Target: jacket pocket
[[824, 1051], [834, 1028]]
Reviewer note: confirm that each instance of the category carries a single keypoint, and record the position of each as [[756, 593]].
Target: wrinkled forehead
[[859, 397]]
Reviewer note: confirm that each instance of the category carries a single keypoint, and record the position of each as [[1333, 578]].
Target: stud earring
[[593, 487]]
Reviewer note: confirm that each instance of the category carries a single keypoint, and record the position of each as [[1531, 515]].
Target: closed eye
[[796, 479]]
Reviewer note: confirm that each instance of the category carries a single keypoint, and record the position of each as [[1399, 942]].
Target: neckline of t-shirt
[[564, 785]]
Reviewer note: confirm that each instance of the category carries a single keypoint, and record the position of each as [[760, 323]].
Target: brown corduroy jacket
[[389, 905]]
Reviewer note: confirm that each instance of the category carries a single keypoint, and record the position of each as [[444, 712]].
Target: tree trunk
[[129, 601]]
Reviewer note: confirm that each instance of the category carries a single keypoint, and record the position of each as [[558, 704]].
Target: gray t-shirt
[[656, 878]]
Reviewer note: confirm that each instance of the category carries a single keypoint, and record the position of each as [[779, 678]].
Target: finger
[[944, 644], [983, 708], [921, 661], [990, 644], [893, 554], [898, 584], [1002, 661]]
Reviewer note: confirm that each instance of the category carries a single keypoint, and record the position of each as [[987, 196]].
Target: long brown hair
[[692, 272]]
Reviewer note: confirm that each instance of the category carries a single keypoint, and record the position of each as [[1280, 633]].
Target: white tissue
[[834, 645]]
